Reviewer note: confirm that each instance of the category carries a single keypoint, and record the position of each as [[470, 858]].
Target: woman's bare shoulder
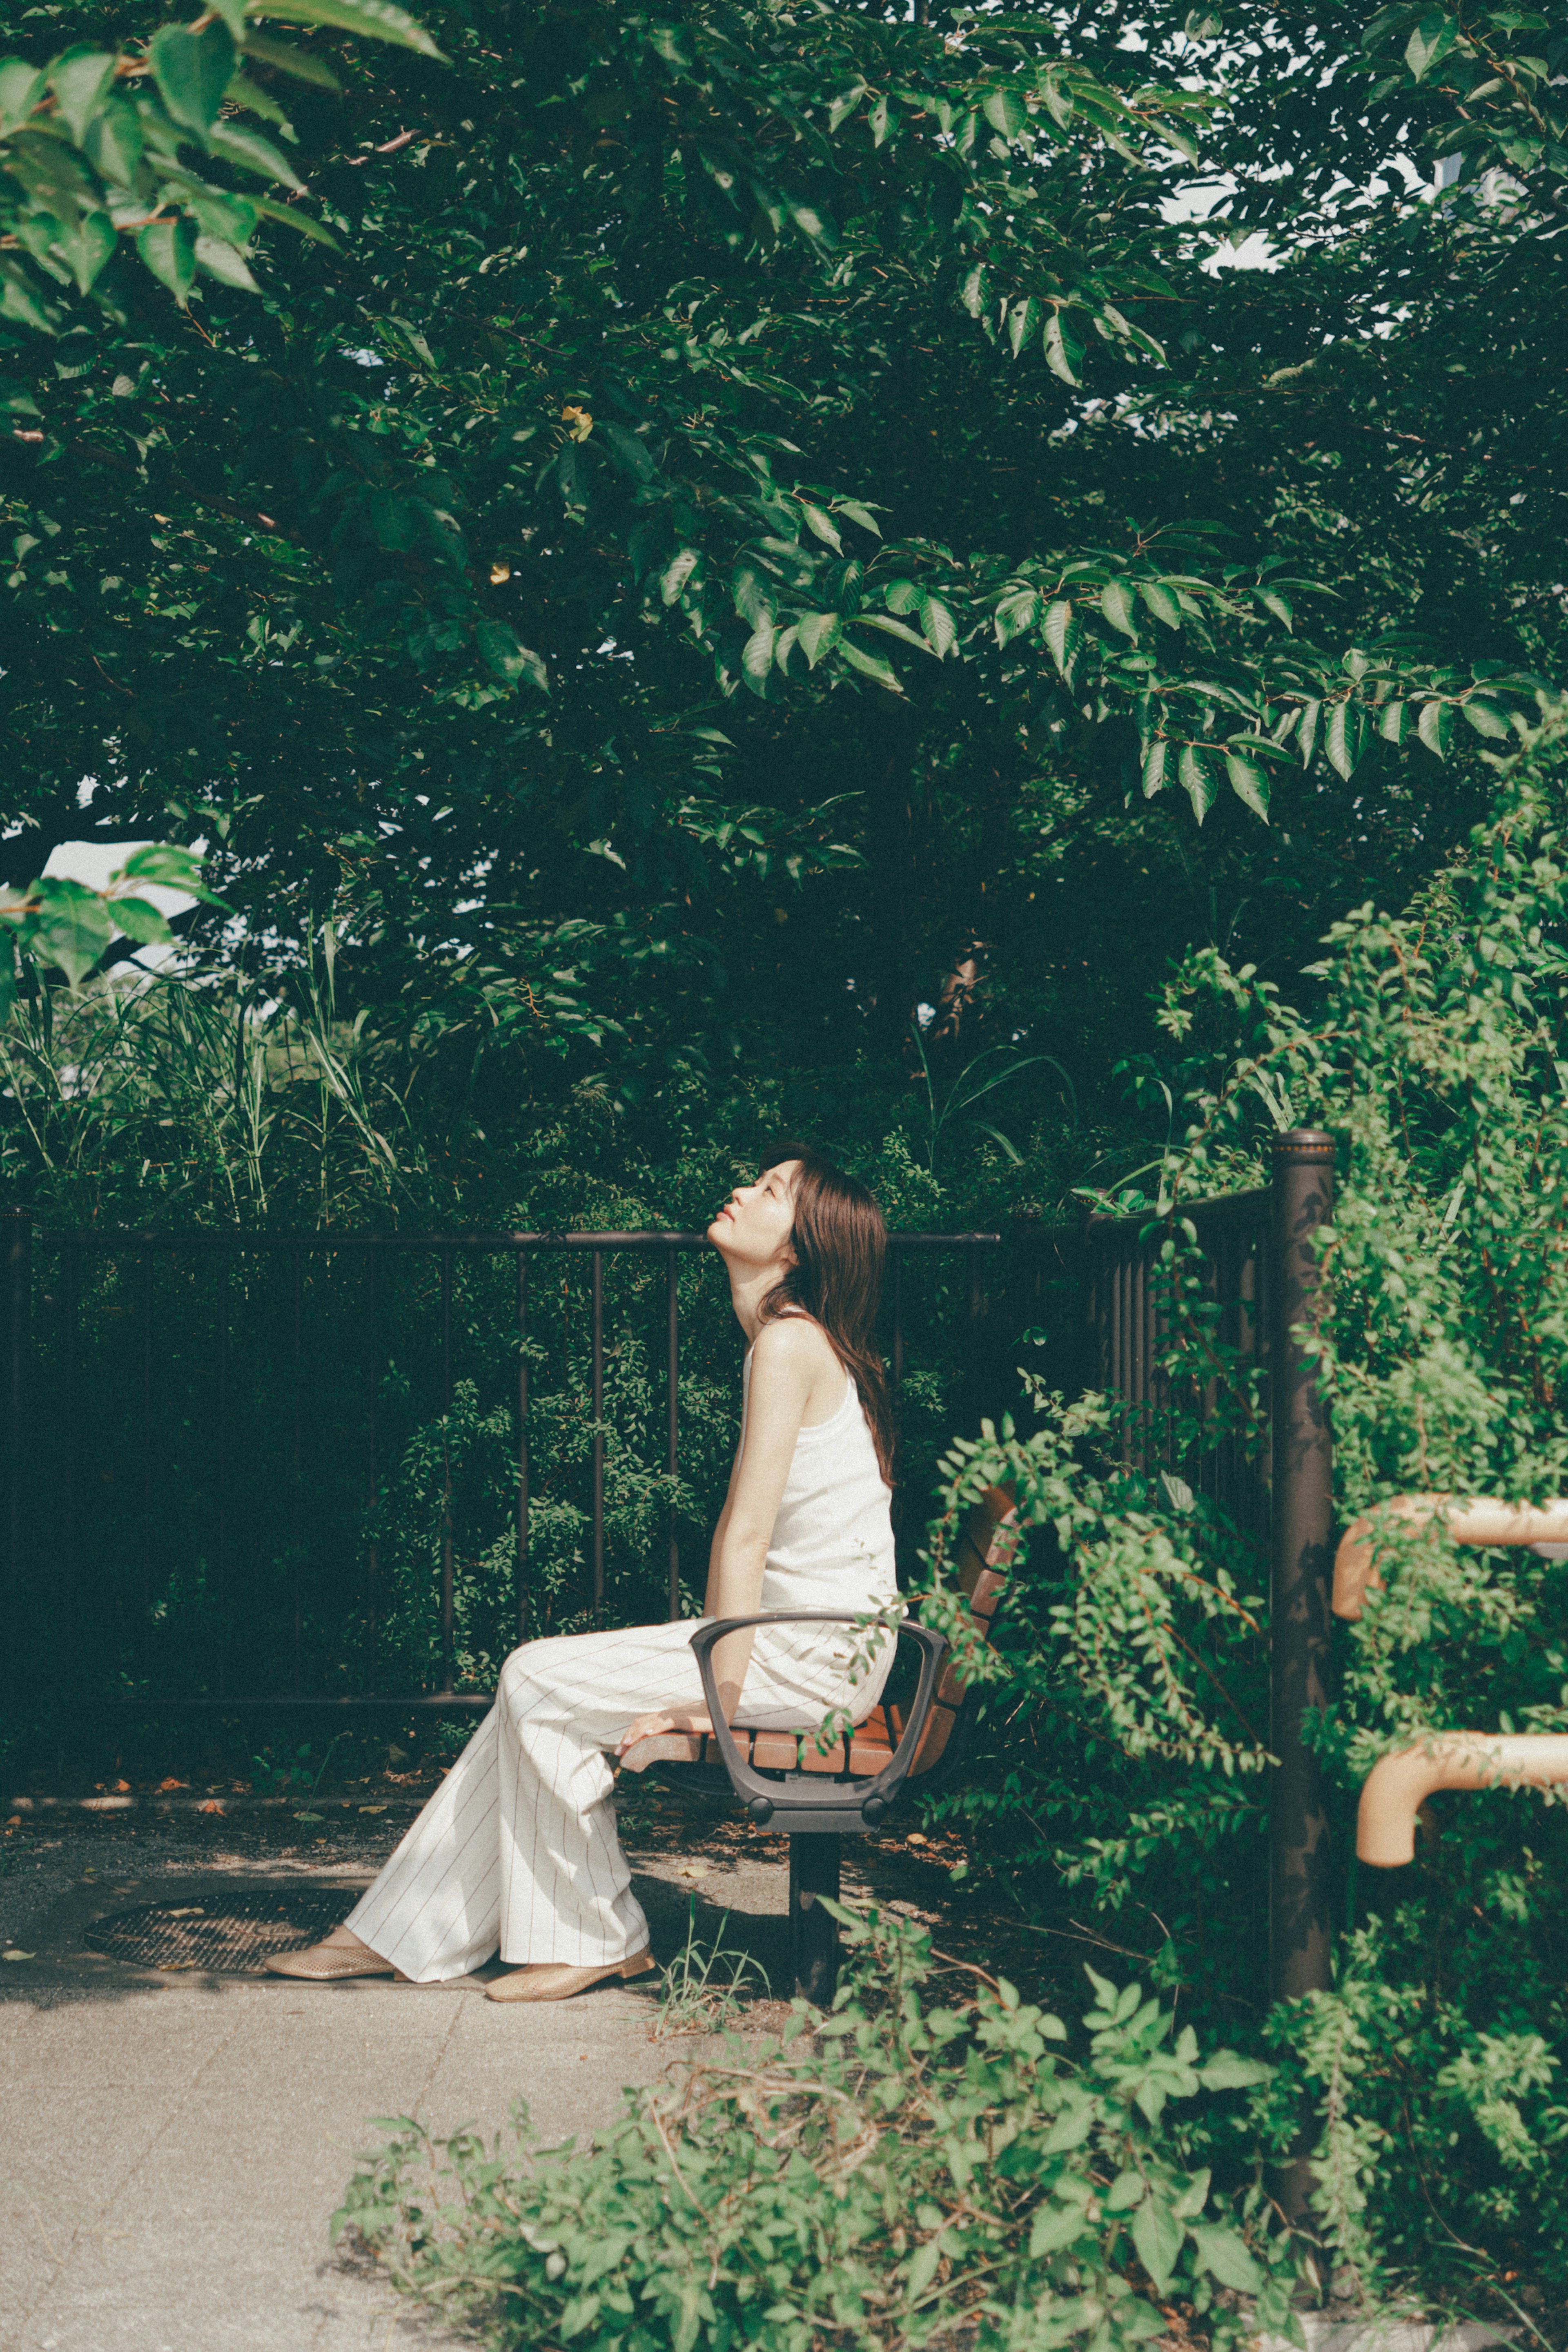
[[794, 1343]]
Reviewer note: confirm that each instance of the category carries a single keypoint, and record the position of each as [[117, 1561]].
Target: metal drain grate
[[233, 1938]]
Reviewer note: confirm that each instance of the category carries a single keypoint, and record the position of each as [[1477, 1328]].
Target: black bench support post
[[1300, 1624], [814, 1857]]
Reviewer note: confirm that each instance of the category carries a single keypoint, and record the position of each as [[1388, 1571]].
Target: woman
[[517, 1845]]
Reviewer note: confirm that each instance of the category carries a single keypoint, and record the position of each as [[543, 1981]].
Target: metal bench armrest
[[872, 1799]]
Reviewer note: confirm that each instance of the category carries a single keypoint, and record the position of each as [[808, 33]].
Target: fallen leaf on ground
[[19, 1956], [213, 1805], [372, 1808], [164, 1786]]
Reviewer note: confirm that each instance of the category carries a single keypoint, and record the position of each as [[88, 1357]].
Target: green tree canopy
[[773, 496]]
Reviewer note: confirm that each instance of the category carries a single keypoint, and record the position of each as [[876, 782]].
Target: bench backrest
[[985, 1558]]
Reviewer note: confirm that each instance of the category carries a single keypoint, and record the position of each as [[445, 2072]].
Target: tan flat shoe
[[324, 1963], [558, 1980]]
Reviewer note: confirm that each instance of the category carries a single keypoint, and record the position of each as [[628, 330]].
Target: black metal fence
[[201, 1427], [1128, 1317]]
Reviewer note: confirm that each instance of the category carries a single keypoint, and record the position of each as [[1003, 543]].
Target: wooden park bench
[[787, 1782]]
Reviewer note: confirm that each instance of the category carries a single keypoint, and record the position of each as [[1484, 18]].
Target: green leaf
[[1391, 721], [1430, 42], [1275, 604], [1435, 727], [1022, 320], [1307, 732], [1197, 780], [1069, 2130], [1120, 607], [292, 218], [1161, 603], [88, 248], [238, 144], [871, 665], [822, 526], [817, 633], [1248, 782], [288, 59], [757, 658], [506, 658], [1060, 630], [79, 79], [1488, 719], [1060, 355], [844, 105], [676, 574], [378, 20], [22, 87], [169, 249], [1004, 110], [1344, 737], [114, 144], [193, 71], [18, 300], [71, 928], [862, 515], [892, 628], [1125, 2191], [233, 13], [1054, 2227], [1017, 612], [1156, 769], [220, 262], [140, 919], [1229, 2071], [162, 861], [1159, 2237], [1224, 2255], [941, 629]]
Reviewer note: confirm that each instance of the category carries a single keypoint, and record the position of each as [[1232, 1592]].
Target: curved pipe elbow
[[1399, 1785], [1483, 1519]]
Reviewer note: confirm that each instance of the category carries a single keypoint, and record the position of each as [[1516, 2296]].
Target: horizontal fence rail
[[175, 1299]]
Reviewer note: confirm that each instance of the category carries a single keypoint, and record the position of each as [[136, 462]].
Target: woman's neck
[[748, 1286]]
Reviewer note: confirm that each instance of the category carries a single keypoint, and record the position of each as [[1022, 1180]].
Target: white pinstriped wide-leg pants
[[518, 1846]]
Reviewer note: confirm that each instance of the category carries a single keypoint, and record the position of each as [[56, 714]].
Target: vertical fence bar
[[673, 1396], [221, 1263], [975, 1301], [599, 1437], [146, 1452], [1302, 1571], [372, 1485], [522, 1551], [297, 1466], [18, 1322], [897, 1256], [448, 1645], [70, 1450]]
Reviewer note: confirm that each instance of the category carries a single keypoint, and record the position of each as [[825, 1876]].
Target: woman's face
[[754, 1226]]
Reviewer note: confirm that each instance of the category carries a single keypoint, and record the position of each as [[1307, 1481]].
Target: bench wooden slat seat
[[819, 1797]]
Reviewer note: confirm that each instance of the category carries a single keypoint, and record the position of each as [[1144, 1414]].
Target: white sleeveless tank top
[[833, 1540]]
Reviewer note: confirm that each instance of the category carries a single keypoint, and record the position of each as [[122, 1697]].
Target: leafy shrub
[[907, 2164], [1127, 1693]]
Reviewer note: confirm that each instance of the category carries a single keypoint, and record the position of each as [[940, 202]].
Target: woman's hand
[[649, 1727]]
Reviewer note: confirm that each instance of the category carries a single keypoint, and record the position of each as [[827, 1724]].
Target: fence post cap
[[1305, 1144]]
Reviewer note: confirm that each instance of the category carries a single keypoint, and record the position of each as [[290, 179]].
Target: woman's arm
[[786, 1363]]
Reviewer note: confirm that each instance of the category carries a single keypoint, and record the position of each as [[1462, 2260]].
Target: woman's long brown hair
[[840, 1242]]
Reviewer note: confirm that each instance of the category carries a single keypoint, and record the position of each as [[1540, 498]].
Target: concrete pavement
[[172, 2145]]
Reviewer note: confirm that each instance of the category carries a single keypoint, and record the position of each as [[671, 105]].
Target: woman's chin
[[719, 1231]]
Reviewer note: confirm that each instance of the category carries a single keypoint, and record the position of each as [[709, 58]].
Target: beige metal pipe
[[1397, 1788], [1483, 1519]]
